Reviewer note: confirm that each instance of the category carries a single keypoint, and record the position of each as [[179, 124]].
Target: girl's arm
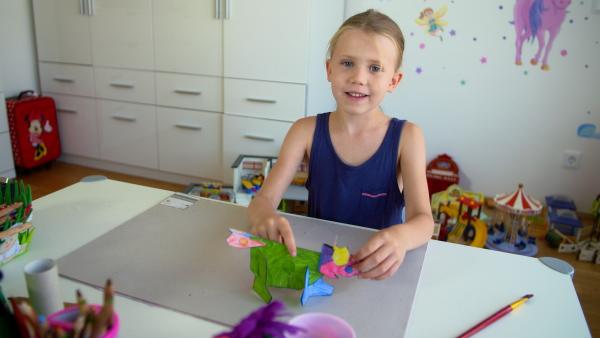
[[264, 219], [383, 254]]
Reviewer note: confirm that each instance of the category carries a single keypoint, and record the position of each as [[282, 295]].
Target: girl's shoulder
[[411, 135], [303, 131], [307, 122], [304, 126]]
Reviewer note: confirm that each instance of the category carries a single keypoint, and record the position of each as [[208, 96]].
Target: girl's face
[[362, 69]]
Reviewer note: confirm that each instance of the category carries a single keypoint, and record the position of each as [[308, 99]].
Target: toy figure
[[273, 266], [37, 126]]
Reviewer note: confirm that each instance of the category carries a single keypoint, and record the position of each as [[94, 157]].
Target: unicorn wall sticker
[[532, 18]]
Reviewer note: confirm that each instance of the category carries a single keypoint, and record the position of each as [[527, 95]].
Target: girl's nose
[[358, 76]]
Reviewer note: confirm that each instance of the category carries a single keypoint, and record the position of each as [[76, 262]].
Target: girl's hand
[[276, 228], [382, 255]]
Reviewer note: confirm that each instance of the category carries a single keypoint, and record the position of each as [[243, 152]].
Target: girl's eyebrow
[[354, 58]]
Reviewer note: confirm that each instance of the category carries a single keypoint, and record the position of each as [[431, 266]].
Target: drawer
[[67, 79], [270, 100], [242, 135], [128, 133], [3, 118], [77, 125], [6, 158], [189, 91], [125, 85], [189, 142]]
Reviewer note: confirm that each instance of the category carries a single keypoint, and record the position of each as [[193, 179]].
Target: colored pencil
[[493, 318]]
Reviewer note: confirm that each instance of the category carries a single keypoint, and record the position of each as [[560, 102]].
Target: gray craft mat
[[179, 260]]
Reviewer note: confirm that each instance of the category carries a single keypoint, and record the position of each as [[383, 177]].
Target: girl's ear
[[394, 82], [328, 68]]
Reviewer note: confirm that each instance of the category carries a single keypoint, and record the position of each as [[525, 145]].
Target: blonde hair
[[371, 21]]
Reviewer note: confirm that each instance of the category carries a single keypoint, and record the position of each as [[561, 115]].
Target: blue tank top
[[366, 195]]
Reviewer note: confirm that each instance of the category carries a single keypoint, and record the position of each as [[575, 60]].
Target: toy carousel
[[509, 231]]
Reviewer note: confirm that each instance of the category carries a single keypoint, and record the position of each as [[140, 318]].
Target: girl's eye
[[346, 63], [375, 68]]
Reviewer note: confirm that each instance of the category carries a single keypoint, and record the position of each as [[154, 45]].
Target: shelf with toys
[[249, 173]]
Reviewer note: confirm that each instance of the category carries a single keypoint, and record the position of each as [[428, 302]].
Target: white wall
[[18, 67], [502, 126], [507, 124]]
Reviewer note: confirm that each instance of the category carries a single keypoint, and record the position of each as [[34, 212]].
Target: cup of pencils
[[80, 320], [81, 324]]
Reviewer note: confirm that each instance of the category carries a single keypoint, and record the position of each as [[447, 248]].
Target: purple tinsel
[[262, 323]]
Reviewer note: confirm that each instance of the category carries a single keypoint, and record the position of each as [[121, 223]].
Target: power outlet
[[572, 159]]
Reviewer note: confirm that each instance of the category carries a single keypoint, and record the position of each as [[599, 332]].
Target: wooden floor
[[60, 175]]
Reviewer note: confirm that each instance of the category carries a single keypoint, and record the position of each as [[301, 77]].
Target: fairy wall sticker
[[532, 19], [432, 21]]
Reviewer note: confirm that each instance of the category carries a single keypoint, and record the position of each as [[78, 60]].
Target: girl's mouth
[[356, 95]]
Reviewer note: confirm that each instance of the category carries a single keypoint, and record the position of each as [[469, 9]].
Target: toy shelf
[[247, 167]]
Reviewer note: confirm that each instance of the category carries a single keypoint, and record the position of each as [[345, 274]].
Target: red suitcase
[[33, 129]]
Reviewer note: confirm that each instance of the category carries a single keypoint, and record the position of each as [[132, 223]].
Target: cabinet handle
[[81, 7], [188, 126], [121, 85], [124, 118], [259, 138], [63, 79], [227, 9], [92, 9], [255, 99], [188, 91], [217, 9], [68, 111]]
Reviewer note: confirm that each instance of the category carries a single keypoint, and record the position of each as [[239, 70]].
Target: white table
[[459, 285]]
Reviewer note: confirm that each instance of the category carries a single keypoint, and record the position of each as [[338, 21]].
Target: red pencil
[[491, 319]]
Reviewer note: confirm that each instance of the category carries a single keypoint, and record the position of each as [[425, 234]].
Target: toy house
[[442, 172], [249, 173]]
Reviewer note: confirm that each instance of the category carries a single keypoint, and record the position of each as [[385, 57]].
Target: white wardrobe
[[7, 167], [177, 89]]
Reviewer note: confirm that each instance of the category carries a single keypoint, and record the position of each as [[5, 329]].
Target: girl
[[363, 165]]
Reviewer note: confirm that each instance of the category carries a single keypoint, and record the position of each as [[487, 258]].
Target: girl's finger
[[373, 260], [372, 245], [390, 271], [288, 237], [380, 268]]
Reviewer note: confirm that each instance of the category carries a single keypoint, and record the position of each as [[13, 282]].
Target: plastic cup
[[41, 277], [321, 325]]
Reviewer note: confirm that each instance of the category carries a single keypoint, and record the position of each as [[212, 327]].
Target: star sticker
[[483, 60], [452, 32], [419, 70]]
